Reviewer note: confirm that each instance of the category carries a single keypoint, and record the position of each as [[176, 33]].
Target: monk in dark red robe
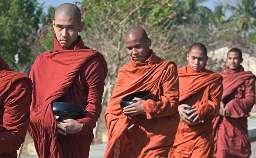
[[200, 94], [146, 128], [231, 134], [15, 97], [70, 73]]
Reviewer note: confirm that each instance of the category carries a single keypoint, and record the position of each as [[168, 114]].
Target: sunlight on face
[[138, 49], [66, 29], [233, 60], [196, 59]]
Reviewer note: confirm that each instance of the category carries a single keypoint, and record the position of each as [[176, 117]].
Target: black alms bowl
[[128, 100], [66, 110]]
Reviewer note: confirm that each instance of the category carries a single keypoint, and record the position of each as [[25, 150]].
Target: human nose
[[64, 32], [134, 51], [196, 61]]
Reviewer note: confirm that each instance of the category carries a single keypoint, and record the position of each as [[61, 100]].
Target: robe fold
[[76, 76], [152, 134], [201, 90], [231, 134], [15, 98]]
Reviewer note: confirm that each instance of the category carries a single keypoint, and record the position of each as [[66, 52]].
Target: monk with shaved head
[[142, 114], [200, 94], [71, 76], [231, 131]]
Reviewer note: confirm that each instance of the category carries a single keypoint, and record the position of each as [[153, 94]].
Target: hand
[[135, 108], [69, 126], [222, 109], [188, 114]]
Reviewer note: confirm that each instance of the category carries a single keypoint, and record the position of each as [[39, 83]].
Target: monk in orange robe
[[70, 73], [200, 95], [15, 98], [146, 128], [231, 134]]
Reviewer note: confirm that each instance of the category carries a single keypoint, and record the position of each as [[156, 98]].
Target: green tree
[[19, 22], [243, 17]]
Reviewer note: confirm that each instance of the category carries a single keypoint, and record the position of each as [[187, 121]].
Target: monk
[[71, 73], [146, 128], [200, 95], [15, 98], [231, 134]]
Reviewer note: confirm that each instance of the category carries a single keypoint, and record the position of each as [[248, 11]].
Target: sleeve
[[209, 109], [95, 74], [241, 106], [168, 103], [15, 116]]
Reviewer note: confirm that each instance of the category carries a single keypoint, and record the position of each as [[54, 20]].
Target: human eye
[[129, 48]]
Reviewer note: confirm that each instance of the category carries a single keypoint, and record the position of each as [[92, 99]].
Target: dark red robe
[[231, 134], [75, 76], [15, 97]]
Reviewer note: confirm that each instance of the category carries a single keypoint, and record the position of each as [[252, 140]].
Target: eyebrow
[[59, 25]]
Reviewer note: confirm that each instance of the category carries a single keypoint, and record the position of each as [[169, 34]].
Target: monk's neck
[[77, 44], [147, 57], [190, 69], [239, 69]]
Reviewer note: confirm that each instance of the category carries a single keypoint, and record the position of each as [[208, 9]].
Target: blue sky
[[210, 3], [48, 3]]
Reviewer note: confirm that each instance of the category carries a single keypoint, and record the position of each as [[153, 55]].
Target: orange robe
[[203, 91], [231, 134], [76, 76], [15, 97], [153, 133]]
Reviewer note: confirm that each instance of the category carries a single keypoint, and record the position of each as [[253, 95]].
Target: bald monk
[[146, 128], [200, 94], [231, 134], [70, 73], [15, 98]]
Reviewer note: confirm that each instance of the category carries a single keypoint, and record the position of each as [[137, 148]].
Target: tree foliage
[[19, 22]]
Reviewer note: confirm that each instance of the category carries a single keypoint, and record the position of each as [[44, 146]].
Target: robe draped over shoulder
[[231, 134], [76, 76], [201, 90], [153, 133], [15, 98]]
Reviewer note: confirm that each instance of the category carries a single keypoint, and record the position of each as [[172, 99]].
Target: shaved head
[[137, 32], [68, 10], [67, 24], [138, 44]]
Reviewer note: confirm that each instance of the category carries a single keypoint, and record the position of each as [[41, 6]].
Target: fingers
[[61, 132], [195, 119], [185, 106], [137, 99], [192, 116], [61, 129], [190, 111], [129, 109]]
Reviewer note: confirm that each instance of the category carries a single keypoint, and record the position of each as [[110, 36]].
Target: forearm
[[209, 107], [156, 109], [237, 108], [208, 111]]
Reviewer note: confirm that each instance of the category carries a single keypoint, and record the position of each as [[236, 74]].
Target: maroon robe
[[231, 134], [75, 76], [15, 97]]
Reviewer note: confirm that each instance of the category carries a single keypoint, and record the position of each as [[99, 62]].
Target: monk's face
[[66, 29], [197, 59], [138, 47], [233, 60]]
